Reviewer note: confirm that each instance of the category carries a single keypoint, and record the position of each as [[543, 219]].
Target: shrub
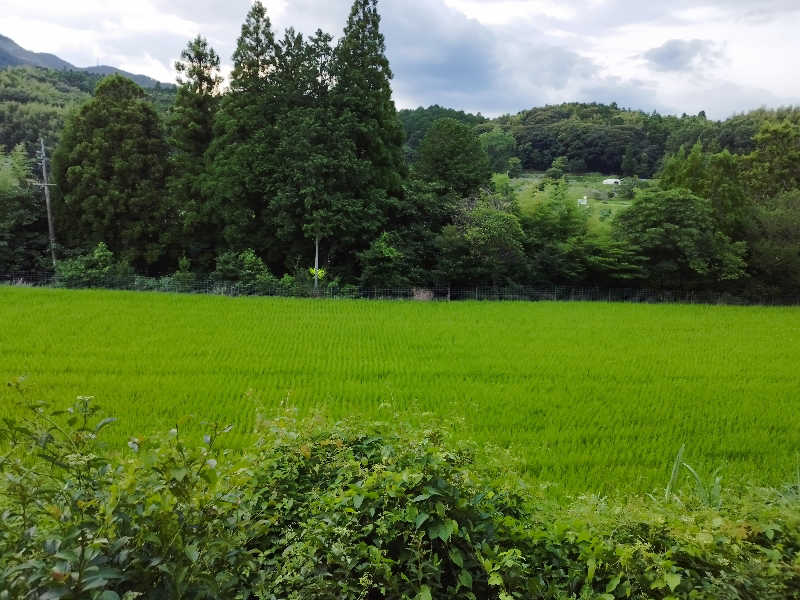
[[95, 269], [246, 269], [346, 511]]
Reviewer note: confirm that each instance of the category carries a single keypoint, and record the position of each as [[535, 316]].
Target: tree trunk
[[316, 262]]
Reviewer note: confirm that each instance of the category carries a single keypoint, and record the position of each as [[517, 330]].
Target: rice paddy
[[590, 396]]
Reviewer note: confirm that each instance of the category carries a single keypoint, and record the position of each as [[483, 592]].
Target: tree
[[417, 122], [451, 154], [370, 168], [23, 222], [304, 205], [190, 128], [487, 249], [242, 156], [675, 230], [774, 240], [558, 168], [629, 166], [110, 170], [385, 265], [717, 177], [500, 146], [495, 242], [514, 167], [774, 166], [554, 233]]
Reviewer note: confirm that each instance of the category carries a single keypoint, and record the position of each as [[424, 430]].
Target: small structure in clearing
[[612, 181]]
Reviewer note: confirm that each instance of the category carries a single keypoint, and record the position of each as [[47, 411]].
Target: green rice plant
[[585, 396]]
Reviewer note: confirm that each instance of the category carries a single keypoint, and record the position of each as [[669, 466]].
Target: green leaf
[[495, 579], [673, 580], [93, 583], [108, 595], [424, 593], [456, 557], [178, 474], [421, 518], [465, 579], [358, 501], [192, 553], [612, 585]]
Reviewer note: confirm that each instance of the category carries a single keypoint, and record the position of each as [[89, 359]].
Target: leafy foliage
[[674, 229], [451, 154], [94, 269], [23, 224], [350, 512]]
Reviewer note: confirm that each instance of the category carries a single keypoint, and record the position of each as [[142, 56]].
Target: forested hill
[[14, 55], [34, 102], [418, 121], [601, 137]]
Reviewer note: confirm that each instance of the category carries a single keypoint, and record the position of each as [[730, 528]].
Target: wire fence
[[188, 284]]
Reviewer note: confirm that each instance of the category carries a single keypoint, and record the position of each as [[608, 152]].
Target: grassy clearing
[[601, 208], [590, 396]]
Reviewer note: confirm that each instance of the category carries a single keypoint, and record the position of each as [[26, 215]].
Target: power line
[[50, 226]]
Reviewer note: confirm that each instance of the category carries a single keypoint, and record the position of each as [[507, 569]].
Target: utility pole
[[46, 186]]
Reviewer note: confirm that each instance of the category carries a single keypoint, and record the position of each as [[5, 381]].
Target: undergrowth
[[355, 511]]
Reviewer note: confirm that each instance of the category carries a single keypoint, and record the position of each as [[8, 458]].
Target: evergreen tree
[[242, 155], [110, 171], [302, 207], [367, 185], [190, 135]]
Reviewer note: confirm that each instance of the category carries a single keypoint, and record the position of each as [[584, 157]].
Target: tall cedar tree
[[242, 155], [302, 203], [367, 188], [110, 169], [190, 133]]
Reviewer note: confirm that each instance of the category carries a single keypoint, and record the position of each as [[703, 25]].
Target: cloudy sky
[[493, 56]]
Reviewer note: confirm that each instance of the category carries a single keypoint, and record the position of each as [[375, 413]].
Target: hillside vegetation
[[299, 171]]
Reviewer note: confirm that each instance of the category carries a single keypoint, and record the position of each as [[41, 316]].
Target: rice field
[[590, 396]]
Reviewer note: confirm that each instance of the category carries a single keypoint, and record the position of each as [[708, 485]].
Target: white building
[[612, 181]]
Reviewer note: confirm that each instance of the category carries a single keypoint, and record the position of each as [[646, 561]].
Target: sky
[[488, 56]]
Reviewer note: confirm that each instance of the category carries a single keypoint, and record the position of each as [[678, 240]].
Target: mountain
[[14, 55]]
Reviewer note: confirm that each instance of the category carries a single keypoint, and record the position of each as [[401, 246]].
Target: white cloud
[[496, 56]]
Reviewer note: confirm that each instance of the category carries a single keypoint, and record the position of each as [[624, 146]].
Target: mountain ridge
[[14, 55]]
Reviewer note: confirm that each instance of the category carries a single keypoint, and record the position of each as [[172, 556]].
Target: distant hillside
[[601, 138], [416, 123], [14, 55], [34, 102]]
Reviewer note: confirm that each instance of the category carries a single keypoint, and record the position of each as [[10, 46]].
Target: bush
[[340, 512], [245, 269], [94, 270]]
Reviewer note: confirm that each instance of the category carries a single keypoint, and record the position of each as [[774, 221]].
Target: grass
[[591, 397], [601, 209]]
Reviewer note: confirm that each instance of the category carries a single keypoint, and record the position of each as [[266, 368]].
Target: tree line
[[303, 162]]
